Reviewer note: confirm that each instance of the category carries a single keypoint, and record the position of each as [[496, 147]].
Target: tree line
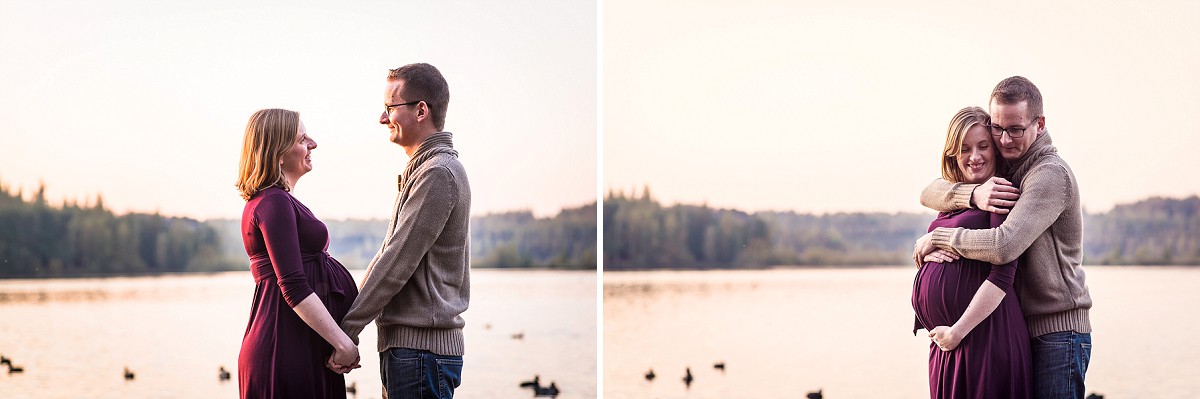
[[38, 239], [640, 233], [503, 240]]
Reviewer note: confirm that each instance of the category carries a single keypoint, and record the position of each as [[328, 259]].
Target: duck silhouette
[[223, 374], [719, 366], [520, 335], [535, 384], [352, 388], [15, 369], [650, 375], [816, 395], [128, 374], [687, 378], [4, 360], [1094, 395], [550, 391]]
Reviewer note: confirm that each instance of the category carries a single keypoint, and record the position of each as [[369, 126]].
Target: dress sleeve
[[1003, 275], [275, 217]]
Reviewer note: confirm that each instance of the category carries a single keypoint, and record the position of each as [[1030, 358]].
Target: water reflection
[[847, 333], [76, 337]]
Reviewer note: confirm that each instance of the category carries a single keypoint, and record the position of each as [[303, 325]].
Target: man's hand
[[997, 195], [924, 246], [946, 338], [344, 360]]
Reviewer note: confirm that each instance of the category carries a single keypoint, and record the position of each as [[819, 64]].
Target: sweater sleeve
[[1002, 276], [276, 219], [421, 220], [1043, 198], [944, 196]]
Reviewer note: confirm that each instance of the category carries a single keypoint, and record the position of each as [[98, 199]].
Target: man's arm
[[421, 220], [1047, 190], [943, 196], [997, 195]]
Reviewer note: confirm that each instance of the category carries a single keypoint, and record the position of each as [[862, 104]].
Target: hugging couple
[[1000, 288], [307, 312]]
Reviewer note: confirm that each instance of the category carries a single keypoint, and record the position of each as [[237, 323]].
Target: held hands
[[343, 360], [997, 195], [946, 338]]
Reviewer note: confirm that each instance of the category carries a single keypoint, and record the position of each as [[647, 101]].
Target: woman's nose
[[976, 155]]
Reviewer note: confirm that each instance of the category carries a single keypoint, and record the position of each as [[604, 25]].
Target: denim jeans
[[418, 374], [1060, 361]]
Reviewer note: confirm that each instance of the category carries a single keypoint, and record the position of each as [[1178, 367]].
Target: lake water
[[75, 336], [782, 333]]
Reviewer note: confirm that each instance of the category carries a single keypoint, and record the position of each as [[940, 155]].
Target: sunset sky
[[145, 102], [843, 106]]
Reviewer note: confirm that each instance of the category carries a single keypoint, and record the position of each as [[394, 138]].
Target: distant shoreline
[[213, 272], [844, 267]]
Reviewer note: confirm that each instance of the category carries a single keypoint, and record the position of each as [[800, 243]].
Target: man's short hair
[[423, 82], [1016, 89]]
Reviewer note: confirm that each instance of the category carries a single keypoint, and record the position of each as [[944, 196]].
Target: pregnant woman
[[301, 293], [980, 345]]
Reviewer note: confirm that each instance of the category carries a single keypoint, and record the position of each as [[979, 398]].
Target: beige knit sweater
[[419, 284], [1044, 230]]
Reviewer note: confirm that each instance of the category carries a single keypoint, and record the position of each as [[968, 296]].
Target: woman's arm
[[313, 312], [985, 301], [276, 218]]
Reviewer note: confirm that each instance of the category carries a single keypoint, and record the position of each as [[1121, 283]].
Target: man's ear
[[422, 111]]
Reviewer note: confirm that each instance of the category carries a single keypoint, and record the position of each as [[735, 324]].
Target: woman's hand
[[941, 256], [946, 338], [924, 246], [344, 359]]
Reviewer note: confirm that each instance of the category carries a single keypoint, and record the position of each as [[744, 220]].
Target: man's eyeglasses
[[387, 109], [1014, 132]]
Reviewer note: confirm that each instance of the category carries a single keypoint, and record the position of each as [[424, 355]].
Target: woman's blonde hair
[[963, 121], [269, 133]]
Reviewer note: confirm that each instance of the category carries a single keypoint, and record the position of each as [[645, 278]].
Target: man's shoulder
[[1052, 164], [445, 161], [442, 166]]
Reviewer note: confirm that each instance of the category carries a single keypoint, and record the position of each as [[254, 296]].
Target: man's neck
[[412, 149]]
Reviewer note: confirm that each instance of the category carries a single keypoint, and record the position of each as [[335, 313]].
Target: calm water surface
[[783, 333], [75, 336]]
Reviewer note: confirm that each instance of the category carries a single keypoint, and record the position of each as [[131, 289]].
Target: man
[[1044, 229], [418, 285]]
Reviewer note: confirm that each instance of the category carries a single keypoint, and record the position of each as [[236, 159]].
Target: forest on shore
[[641, 233], [39, 239]]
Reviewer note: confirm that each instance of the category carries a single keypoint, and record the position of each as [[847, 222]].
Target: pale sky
[[843, 106], [146, 102]]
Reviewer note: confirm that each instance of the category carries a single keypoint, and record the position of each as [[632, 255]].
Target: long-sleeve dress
[[281, 356], [993, 360]]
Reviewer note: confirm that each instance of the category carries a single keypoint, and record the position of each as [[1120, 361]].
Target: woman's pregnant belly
[[941, 292]]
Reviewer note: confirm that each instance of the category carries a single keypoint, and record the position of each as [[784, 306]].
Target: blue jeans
[[418, 374], [1060, 361]]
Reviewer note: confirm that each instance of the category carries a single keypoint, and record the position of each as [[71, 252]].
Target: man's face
[[1011, 116], [399, 118]]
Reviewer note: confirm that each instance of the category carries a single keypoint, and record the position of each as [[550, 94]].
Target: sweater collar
[[437, 143], [1041, 147]]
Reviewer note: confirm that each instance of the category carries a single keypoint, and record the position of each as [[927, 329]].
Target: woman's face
[[977, 160], [296, 161]]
